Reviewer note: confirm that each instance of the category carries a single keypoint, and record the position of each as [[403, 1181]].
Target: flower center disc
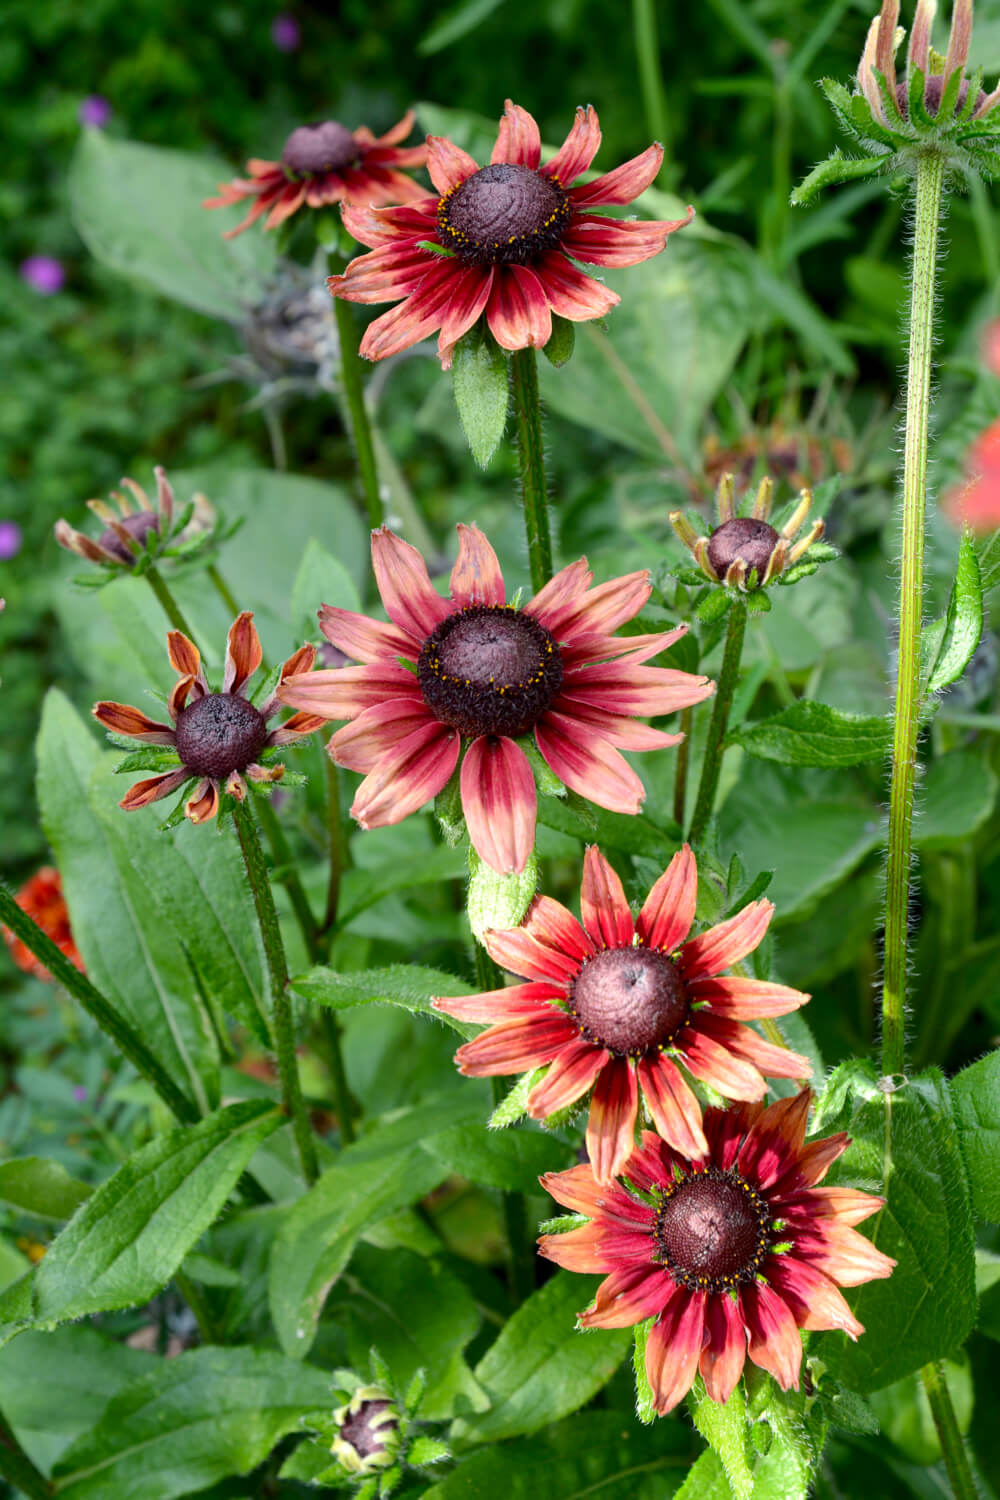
[[218, 734], [360, 1434], [490, 670], [327, 147], [712, 1231], [629, 1000], [743, 538], [138, 526], [503, 214]]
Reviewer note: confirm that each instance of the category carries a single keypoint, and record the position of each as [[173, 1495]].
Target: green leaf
[[706, 1480], [480, 382], [130, 1236], [927, 1307], [410, 986], [645, 1399], [189, 1423], [813, 734], [384, 1171], [634, 835], [988, 558], [541, 1368], [963, 622], [130, 954], [362, 888], [514, 1105], [560, 346], [975, 1093], [138, 210], [41, 1187], [956, 799], [427, 1450], [321, 579], [834, 169], [801, 315], [724, 1428], [456, 22], [511, 1159]]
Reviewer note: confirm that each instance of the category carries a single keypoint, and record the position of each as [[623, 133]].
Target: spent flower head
[[489, 677], [141, 530], [748, 553], [933, 104], [500, 241], [731, 1249], [216, 739], [627, 1007], [42, 898]]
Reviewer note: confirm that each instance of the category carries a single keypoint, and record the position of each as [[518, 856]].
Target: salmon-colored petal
[[594, 1248], [742, 1041], [410, 599], [741, 999], [476, 577], [392, 271], [846, 1205], [379, 184], [203, 804], [578, 1189], [773, 1337], [383, 226], [611, 1125], [604, 608], [716, 1065], [345, 692], [674, 1348], [518, 141], [811, 1298], [726, 1129], [420, 314], [668, 911], [628, 1297], [499, 802], [493, 1006], [617, 729], [468, 297], [842, 1254], [605, 911], [184, 655], [122, 718], [652, 1163], [726, 943], [363, 639], [295, 728], [626, 688], [361, 744], [407, 776], [518, 311], [302, 660], [812, 1163], [290, 200], [725, 1350], [179, 696], [447, 163], [568, 1079], [616, 243], [587, 764], [516, 1046], [571, 292], [626, 648], [673, 1105], [558, 598], [774, 1143], [399, 131], [549, 923], [153, 789], [518, 951], [243, 653], [578, 149], [623, 184]]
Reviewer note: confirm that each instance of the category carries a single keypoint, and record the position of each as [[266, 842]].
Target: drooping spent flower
[[125, 534], [732, 1251], [629, 1007], [747, 552], [367, 1431], [42, 898], [485, 676], [323, 164], [217, 738], [500, 240]]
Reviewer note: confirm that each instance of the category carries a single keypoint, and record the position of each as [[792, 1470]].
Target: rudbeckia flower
[[322, 164], [617, 1004], [42, 898], [484, 673], [731, 1251], [500, 240], [217, 736]]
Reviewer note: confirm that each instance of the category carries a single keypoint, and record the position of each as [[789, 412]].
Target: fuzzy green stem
[[282, 1019], [956, 1459], [168, 603], [354, 398], [289, 878], [725, 688], [531, 455], [223, 590], [647, 53], [96, 1005], [930, 177], [16, 1466], [331, 1023]]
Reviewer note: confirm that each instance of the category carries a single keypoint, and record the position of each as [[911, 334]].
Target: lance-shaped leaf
[[814, 734], [963, 625], [479, 380]]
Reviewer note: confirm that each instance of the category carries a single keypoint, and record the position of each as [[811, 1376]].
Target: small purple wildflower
[[80, 1094], [11, 538], [286, 34], [44, 273], [94, 111]]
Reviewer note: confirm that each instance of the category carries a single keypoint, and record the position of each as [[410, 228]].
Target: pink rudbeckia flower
[[732, 1252], [616, 1004], [486, 674], [506, 238]]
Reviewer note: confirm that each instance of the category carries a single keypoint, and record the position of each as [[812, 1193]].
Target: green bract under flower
[[934, 106]]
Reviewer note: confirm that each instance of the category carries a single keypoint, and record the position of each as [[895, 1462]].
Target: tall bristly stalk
[[728, 677], [929, 181], [352, 386], [531, 456], [281, 1004]]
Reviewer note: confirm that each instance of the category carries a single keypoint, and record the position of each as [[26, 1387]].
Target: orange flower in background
[[976, 503], [42, 898], [501, 240], [323, 164]]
